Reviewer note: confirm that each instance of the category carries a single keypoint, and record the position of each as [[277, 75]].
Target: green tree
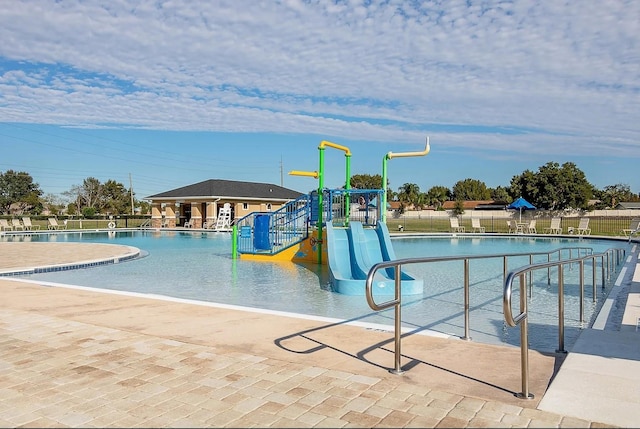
[[17, 189], [111, 197], [89, 212], [553, 187], [72, 209], [366, 181], [145, 207], [391, 195], [458, 208], [610, 196], [470, 190], [420, 201], [437, 195], [500, 193], [408, 195], [115, 198], [523, 186]]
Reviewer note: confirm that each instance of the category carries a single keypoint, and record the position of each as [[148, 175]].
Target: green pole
[[234, 242], [347, 186], [321, 187], [387, 157], [320, 203], [384, 188]]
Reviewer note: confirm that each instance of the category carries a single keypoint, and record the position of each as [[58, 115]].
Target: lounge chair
[[582, 229], [53, 224], [475, 223], [455, 225], [531, 228], [634, 227], [4, 225], [514, 227], [17, 224], [28, 226], [554, 227]]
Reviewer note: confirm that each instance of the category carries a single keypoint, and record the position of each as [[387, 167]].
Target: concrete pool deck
[[78, 357]]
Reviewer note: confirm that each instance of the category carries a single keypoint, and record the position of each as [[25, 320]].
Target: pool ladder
[[609, 260]]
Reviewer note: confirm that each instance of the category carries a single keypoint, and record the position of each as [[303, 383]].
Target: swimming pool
[[198, 266]]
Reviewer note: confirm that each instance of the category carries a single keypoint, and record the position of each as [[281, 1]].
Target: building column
[[196, 215], [156, 215], [170, 215], [211, 214]]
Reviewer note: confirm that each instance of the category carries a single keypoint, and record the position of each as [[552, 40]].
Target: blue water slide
[[339, 255], [353, 251]]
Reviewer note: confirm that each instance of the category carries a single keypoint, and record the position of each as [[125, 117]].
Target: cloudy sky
[[161, 94]]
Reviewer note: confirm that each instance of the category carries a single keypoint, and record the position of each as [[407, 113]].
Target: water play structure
[[342, 228]]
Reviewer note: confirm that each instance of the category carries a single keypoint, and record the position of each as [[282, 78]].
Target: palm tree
[[409, 194]]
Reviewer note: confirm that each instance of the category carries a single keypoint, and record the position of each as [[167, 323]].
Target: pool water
[[198, 266]]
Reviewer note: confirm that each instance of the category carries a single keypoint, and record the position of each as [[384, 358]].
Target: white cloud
[[371, 71]]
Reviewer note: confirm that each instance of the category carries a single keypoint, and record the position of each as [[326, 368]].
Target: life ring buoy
[[111, 225]]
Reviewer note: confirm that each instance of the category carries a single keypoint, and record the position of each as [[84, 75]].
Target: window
[[245, 206], [268, 207]]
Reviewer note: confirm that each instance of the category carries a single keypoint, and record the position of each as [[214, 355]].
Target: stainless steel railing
[[521, 319], [397, 265]]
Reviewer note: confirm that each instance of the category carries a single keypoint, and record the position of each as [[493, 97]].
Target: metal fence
[[599, 225], [269, 233], [342, 206], [96, 222], [272, 232]]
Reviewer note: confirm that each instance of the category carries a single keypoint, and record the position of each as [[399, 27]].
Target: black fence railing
[[95, 222]]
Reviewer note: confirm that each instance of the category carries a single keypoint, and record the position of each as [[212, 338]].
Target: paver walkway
[[81, 358]]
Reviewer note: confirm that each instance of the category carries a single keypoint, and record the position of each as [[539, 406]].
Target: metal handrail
[[521, 319], [397, 301], [284, 228]]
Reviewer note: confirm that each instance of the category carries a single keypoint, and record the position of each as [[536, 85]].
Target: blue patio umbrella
[[521, 204]]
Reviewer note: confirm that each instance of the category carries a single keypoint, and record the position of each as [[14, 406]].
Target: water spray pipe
[[387, 157], [313, 174], [320, 176]]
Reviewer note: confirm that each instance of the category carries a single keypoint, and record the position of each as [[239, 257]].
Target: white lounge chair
[[554, 227], [531, 228], [53, 224], [582, 229], [514, 227], [17, 225], [28, 226], [455, 225], [634, 227], [475, 224], [4, 225]]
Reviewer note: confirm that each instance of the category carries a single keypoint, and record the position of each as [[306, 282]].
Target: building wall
[[170, 213]]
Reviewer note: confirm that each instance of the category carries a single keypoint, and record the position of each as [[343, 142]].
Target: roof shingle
[[217, 188]]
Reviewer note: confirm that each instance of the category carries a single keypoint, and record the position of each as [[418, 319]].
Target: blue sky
[[172, 93]]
